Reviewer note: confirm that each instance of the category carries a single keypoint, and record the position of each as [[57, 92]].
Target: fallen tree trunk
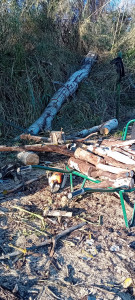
[[38, 148], [45, 120]]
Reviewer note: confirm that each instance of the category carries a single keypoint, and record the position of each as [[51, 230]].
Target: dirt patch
[[90, 263]]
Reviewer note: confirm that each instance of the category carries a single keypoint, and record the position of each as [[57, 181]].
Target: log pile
[[112, 162]]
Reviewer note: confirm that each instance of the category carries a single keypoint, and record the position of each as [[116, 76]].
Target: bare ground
[[89, 264]]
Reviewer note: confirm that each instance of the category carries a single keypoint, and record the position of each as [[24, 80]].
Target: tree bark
[[117, 143], [110, 169], [87, 156], [38, 148], [104, 128], [81, 166], [108, 126], [45, 120], [34, 138], [115, 155]]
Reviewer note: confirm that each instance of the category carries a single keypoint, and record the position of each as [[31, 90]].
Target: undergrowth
[[38, 54]]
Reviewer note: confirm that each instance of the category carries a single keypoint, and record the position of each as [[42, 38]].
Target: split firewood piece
[[87, 156], [108, 175], [125, 183], [81, 166], [112, 162], [110, 169], [57, 213], [126, 153], [129, 150], [117, 143], [38, 148], [104, 151], [28, 158], [108, 126], [57, 137]]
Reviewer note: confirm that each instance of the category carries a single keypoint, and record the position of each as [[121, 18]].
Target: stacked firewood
[[112, 162]]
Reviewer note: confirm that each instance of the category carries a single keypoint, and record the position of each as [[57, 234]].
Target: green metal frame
[[84, 190], [125, 130], [108, 190]]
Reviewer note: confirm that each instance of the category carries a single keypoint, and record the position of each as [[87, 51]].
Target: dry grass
[[34, 53]]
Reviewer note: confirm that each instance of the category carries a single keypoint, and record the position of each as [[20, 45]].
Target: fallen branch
[[20, 186], [30, 137], [38, 148], [46, 242]]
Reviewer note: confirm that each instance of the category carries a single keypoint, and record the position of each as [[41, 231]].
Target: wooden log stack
[[112, 162]]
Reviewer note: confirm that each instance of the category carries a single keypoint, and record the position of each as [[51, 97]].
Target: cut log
[[87, 156], [108, 126], [81, 166], [102, 128], [129, 150], [112, 162], [28, 158], [45, 120], [126, 153], [119, 157], [126, 183], [103, 175], [108, 175], [38, 148], [117, 143], [110, 169]]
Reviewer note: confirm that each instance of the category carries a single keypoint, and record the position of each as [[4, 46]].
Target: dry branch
[[46, 242], [21, 185], [37, 148], [30, 137]]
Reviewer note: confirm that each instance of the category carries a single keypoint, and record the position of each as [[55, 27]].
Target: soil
[[90, 263]]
